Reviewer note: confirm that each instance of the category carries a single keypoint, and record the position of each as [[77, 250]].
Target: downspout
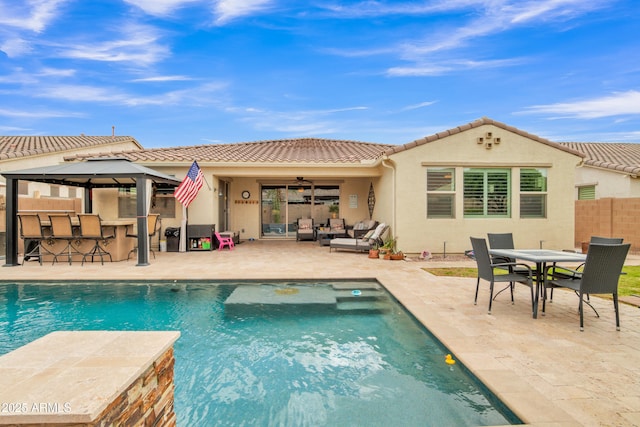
[[391, 165]]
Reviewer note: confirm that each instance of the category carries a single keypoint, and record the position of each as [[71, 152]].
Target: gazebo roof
[[95, 173]]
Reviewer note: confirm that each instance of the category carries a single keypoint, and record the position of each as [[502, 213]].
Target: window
[[127, 203], [73, 192], [54, 190], [588, 192], [486, 193], [440, 193], [533, 193], [162, 203]]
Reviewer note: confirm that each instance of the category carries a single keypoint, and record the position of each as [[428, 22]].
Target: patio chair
[[91, 229], [337, 225], [152, 229], [600, 275], [305, 230], [568, 273], [224, 241], [32, 234], [62, 230], [486, 272]]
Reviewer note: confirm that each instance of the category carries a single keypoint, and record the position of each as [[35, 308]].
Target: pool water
[[265, 367]]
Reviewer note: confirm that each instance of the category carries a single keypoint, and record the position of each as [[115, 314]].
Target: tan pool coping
[[545, 370], [69, 377]]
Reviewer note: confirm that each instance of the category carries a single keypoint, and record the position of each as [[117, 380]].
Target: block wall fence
[[608, 217]]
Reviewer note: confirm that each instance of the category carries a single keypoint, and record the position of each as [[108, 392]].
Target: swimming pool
[[363, 361]]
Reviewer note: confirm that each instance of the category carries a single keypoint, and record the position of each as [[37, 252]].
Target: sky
[[191, 72]]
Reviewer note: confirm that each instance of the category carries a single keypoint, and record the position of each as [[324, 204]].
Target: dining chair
[[152, 229], [574, 273], [91, 229], [486, 272], [600, 275], [62, 230], [32, 234]]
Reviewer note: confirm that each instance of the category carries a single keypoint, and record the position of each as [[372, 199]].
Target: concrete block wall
[[608, 217]]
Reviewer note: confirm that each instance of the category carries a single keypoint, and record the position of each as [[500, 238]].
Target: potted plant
[[374, 252], [334, 209], [388, 247]]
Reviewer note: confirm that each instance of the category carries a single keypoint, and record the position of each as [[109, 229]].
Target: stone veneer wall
[[147, 402]]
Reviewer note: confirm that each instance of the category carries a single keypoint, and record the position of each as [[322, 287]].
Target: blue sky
[[190, 72]]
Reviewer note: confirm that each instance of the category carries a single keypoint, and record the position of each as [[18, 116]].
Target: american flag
[[190, 185]]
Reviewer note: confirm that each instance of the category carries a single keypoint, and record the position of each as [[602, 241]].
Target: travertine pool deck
[[546, 370]]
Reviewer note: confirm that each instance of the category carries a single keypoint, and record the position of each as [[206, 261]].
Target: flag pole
[[203, 177], [183, 230]]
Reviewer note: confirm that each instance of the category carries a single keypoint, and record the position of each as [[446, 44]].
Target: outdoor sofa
[[371, 240]]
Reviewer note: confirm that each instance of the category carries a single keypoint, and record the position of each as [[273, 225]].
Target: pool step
[[360, 297], [362, 306]]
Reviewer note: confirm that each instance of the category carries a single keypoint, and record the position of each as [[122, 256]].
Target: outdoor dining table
[[541, 257]]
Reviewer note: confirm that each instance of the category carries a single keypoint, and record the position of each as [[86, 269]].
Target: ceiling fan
[[300, 181]]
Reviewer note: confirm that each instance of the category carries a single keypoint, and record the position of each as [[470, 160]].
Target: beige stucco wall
[[416, 233], [608, 183]]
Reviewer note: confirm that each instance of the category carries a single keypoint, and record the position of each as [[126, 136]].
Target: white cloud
[[200, 95], [37, 114], [417, 106], [621, 103], [15, 47], [139, 45], [160, 7], [33, 15], [162, 79], [228, 10]]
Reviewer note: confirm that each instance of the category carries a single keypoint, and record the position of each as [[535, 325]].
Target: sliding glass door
[[282, 205]]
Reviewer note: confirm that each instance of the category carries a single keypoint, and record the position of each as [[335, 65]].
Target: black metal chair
[[600, 275], [486, 272]]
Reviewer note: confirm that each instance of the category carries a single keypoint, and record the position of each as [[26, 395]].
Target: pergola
[[93, 173]]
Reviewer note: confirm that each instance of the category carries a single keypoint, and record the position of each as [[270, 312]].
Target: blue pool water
[[265, 367]]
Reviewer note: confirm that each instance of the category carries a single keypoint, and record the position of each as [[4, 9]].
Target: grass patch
[[629, 283]]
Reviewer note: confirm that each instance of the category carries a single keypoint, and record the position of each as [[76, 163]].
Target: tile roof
[[23, 146], [621, 157], [302, 150], [477, 123]]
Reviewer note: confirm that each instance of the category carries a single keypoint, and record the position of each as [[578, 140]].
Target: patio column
[[12, 223], [143, 233]]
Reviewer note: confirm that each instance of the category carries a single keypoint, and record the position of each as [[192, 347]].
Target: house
[[434, 192], [609, 170], [607, 192]]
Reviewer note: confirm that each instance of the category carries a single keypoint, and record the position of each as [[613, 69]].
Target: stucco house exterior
[[434, 192], [609, 170]]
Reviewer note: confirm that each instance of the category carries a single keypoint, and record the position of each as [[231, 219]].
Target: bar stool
[[31, 231], [91, 229], [152, 226], [62, 229]]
